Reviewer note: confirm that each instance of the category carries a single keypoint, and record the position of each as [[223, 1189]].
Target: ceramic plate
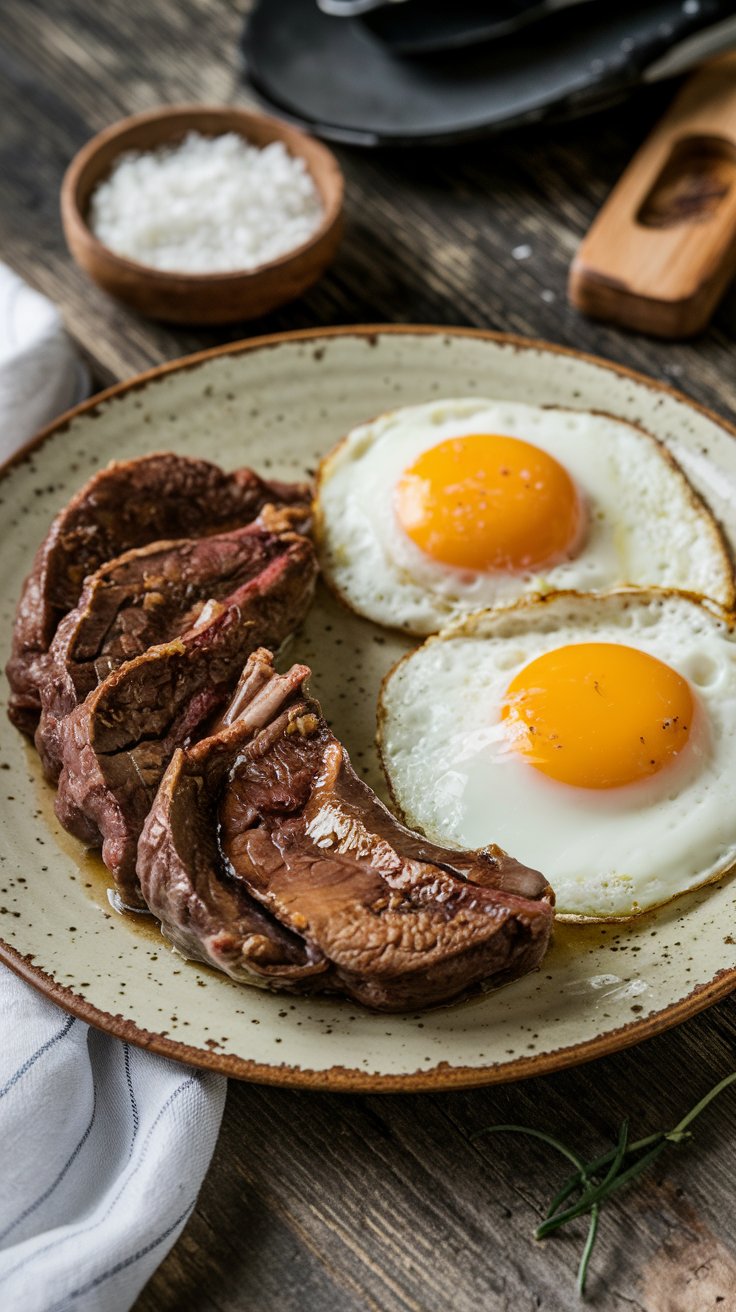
[[279, 403]]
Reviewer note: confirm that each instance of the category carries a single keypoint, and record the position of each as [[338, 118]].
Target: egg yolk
[[488, 502], [597, 714]]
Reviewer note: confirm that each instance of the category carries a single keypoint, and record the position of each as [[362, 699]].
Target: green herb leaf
[[588, 1249], [533, 1134], [640, 1154]]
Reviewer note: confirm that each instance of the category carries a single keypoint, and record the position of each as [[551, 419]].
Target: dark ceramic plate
[[419, 27], [337, 77]]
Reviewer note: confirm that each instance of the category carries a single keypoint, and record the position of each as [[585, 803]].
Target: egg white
[[608, 854], [647, 526]]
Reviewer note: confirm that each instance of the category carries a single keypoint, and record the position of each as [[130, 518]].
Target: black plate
[[419, 27], [336, 77]]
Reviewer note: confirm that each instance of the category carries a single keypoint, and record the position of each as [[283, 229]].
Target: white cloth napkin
[[104, 1147], [41, 373]]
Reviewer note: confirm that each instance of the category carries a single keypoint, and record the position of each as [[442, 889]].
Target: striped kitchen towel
[[104, 1146], [41, 373], [104, 1150]]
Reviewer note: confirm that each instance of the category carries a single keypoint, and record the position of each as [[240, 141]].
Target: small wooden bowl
[[202, 298]]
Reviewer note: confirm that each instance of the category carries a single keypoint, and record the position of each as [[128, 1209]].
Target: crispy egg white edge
[[472, 626], [361, 434]]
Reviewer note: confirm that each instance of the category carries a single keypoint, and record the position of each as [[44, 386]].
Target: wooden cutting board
[[662, 251]]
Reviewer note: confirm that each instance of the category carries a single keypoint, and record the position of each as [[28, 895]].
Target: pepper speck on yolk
[[490, 502], [598, 714]]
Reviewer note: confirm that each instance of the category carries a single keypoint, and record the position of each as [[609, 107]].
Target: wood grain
[[343, 1204]]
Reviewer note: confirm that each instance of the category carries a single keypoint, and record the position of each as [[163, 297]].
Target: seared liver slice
[[208, 917], [128, 504], [115, 745], [399, 923], [147, 596]]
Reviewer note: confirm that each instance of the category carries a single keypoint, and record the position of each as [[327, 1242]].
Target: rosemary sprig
[[581, 1175], [591, 1191]]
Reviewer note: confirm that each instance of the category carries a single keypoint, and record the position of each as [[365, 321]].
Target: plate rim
[[340, 1078]]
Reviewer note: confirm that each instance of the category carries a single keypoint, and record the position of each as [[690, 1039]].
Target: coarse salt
[[207, 205]]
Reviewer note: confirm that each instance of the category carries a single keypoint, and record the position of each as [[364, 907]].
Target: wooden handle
[[662, 250]]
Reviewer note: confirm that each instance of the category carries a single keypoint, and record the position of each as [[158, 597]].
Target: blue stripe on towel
[[22, 1070], [133, 1103], [32, 1207], [66, 1302], [39, 1252]]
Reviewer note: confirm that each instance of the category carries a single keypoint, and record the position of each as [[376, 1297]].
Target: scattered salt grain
[[521, 252], [207, 205]]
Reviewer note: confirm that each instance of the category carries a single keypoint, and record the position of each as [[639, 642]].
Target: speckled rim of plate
[[339, 1078], [344, 1079]]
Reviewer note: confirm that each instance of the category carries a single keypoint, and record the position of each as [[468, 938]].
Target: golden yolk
[[598, 715], [489, 502]]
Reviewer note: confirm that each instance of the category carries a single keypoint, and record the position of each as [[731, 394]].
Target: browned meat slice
[[116, 745], [399, 922], [147, 596], [128, 504], [209, 918]]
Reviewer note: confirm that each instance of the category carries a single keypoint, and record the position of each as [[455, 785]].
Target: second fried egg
[[433, 511], [594, 737]]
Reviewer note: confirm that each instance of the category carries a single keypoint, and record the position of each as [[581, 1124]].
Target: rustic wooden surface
[[341, 1204]]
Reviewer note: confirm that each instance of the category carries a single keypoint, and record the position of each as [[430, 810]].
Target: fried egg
[[591, 736], [434, 511]]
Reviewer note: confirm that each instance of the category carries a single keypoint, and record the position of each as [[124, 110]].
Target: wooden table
[[323, 1203]]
